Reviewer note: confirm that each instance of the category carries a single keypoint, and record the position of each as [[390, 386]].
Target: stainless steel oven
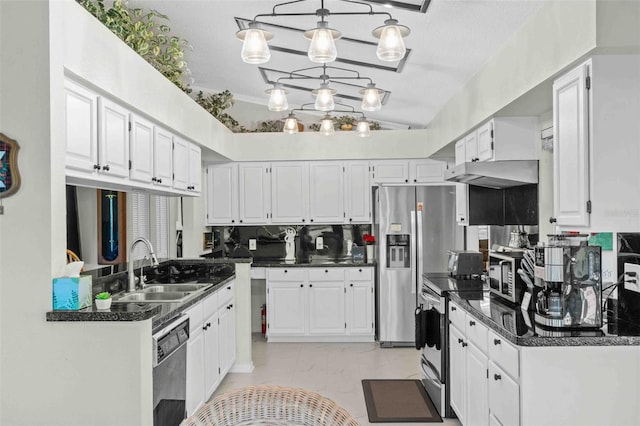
[[170, 372]]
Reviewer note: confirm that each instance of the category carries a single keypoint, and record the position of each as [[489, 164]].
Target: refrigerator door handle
[[420, 251], [413, 253]]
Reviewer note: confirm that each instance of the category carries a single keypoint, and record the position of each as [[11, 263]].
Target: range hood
[[495, 174]]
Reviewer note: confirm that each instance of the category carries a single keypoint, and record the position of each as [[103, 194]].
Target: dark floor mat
[[396, 401]]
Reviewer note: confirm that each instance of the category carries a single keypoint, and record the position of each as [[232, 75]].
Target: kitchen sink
[[168, 288], [154, 297]]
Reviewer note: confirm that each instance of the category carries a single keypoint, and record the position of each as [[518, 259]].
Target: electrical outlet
[[252, 244], [319, 243], [632, 277]]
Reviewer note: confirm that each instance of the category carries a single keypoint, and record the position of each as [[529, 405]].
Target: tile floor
[[330, 369]]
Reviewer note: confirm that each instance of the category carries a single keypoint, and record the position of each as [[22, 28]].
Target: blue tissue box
[[71, 293], [357, 254]]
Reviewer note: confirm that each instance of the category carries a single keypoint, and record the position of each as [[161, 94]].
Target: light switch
[[252, 244], [319, 243]]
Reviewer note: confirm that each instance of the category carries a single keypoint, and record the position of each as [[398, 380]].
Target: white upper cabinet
[[501, 138], [254, 193], [81, 127], [357, 192], [141, 149], [162, 157], [484, 138], [113, 139], [426, 171], [460, 152], [471, 147], [181, 164], [390, 171], [194, 183], [289, 190], [326, 192], [222, 194], [571, 147]]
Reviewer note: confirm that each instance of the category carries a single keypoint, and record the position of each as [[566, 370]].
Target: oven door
[[433, 360]]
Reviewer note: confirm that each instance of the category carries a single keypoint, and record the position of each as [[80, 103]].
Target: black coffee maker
[[569, 272]]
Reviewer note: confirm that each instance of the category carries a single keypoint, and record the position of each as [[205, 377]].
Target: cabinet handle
[[464, 344], [406, 180], [459, 340], [240, 220], [360, 270], [453, 308], [106, 168], [496, 342], [229, 288], [231, 306], [159, 180], [350, 219], [472, 323], [153, 179], [286, 270], [326, 271], [497, 377], [415, 180], [310, 285], [552, 220], [310, 220], [204, 327], [96, 166], [351, 285], [233, 221], [301, 285], [303, 220]]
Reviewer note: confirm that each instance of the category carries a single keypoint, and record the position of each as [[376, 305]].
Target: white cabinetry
[[162, 157], [426, 171], [289, 190], [81, 127], [222, 194], [254, 193], [390, 171], [318, 304], [113, 139], [141, 149], [180, 163], [194, 182], [357, 192], [326, 192], [471, 147]]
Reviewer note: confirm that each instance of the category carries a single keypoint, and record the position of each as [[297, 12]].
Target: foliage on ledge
[[346, 123], [147, 34], [216, 104]]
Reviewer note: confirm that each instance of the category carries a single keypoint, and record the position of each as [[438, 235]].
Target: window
[[150, 219], [139, 222]]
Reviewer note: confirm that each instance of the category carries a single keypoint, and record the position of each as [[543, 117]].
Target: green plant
[[216, 104], [145, 32], [103, 296]]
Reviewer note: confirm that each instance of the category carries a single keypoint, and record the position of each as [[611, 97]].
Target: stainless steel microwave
[[504, 279]]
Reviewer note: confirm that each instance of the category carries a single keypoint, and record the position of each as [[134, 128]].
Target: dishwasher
[[170, 372]]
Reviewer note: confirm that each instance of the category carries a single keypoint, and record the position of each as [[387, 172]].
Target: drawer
[[210, 305], [457, 316], [477, 333], [326, 274], [504, 396], [359, 274], [504, 354], [225, 293], [196, 315], [287, 274]]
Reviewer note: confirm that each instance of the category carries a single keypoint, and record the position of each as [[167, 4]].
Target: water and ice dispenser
[[398, 251]]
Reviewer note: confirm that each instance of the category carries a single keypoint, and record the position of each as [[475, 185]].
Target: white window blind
[[161, 244], [139, 222]]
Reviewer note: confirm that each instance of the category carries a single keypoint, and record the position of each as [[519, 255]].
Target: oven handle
[[430, 371], [500, 264], [432, 298]]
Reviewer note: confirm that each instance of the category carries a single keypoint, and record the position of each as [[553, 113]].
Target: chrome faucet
[[154, 262]]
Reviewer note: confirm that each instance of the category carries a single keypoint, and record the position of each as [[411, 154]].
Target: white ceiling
[[448, 45]]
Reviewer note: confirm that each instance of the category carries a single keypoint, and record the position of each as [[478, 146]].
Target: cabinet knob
[[460, 340], [240, 220], [310, 285], [552, 220], [286, 270], [229, 288], [496, 342], [153, 179], [96, 166], [497, 377], [204, 327], [303, 220], [360, 270], [350, 220], [233, 221], [326, 271], [351, 285], [106, 168], [453, 308], [310, 220], [301, 285], [472, 323], [406, 180], [159, 180], [415, 180], [464, 344]]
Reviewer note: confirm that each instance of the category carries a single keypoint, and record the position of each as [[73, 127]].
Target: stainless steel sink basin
[[164, 288], [155, 297]]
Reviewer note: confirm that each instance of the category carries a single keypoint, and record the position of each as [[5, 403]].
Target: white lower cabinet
[[211, 346], [477, 386], [318, 304], [504, 396]]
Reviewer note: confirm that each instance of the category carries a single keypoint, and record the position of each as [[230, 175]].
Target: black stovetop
[[442, 283]]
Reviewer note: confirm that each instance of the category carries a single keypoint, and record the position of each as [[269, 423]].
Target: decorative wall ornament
[[9, 173]]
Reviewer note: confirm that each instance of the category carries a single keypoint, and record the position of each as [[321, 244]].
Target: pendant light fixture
[[254, 47], [324, 98], [371, 98], [362, 128], [327, 127], [391, 45], [277, 98], [322, 49], [290, 124]]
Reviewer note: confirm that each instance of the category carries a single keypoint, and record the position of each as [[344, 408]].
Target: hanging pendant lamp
[[371, 98], [277, 98], [327, 127], [362, 128], [391, 45], [324, 98], [290, 124], [322, 49], [254, 47]]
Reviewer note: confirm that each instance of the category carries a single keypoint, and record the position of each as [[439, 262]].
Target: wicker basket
[[270, 405]]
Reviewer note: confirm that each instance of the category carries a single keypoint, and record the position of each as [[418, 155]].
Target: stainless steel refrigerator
[[415, 226]]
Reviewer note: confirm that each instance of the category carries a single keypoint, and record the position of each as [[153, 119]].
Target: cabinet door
[[195, 372], [81, 127], [227, 342], [485, 141], [477, 387], [457, 373], [254, 193], [195, 168], [289, 191], [359, 307], [504, 396], [358, 192], [222, 194], [426, 171], [113, 139], [162, 157], [326, 308], [326, 192], [571, 148], [461, 203], [460, 152], [390, 171], [211, 355], [471, 147], [141, 145], [286, 310], [180, 163]]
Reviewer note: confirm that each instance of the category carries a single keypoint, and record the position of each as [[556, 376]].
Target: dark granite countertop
[[518, 326], [315, 263]]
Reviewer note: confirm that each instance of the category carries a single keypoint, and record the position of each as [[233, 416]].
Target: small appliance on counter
[[503, 275], [569, 272], [464, 263]]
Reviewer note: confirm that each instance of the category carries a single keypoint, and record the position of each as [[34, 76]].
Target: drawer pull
[[459, 340], [496, 342], [229, 288], [497, 377], [326, 271], [453, 308], [464, 344], [351, 285], [360, 270], [285, 271], [310, 285], [472, 323]]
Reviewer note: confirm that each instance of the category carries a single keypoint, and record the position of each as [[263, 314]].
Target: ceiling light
[[254, 47], [290, 124], [324, 98], [362, 128], [391, 44], [326, 126], [371, 98], [322, 49], [277, 98]]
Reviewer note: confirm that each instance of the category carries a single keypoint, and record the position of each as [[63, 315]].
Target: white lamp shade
[[322, 48], [290, 125], [278, 100], [254, 48], [362, 129], [326, 126], [371, 99], [324, 99], [391, 45]]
